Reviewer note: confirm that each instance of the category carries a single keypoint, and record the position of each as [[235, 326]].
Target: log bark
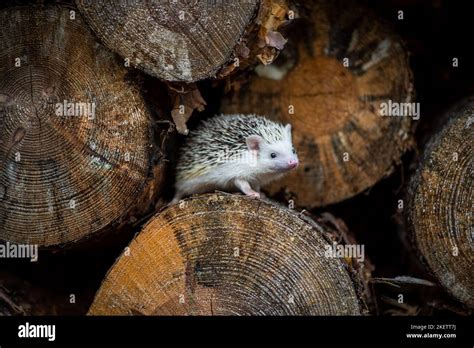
[[65, 176], [440, 197], [223, 254], [339, 65], [182, 40]]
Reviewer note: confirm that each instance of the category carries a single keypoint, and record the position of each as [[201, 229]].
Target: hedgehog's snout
[[293, 163]]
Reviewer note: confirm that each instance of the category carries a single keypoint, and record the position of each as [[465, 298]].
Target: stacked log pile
[[83, 153]]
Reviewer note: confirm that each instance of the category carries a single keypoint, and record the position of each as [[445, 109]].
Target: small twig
[[7, 300], [403, 279]]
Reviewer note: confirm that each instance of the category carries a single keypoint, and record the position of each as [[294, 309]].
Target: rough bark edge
[[249, 48]]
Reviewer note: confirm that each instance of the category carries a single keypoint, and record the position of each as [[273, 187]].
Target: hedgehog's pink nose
[[293, 163]]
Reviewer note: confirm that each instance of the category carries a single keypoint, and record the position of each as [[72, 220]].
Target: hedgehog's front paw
[[245, 187], [253, 194]]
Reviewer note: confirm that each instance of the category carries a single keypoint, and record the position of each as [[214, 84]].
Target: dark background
[[434, 32]]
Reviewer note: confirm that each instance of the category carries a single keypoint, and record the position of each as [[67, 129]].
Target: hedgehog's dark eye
[[294, 151], [273, 155]]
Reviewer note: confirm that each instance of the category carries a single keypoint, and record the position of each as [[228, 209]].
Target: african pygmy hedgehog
[[230, 152]]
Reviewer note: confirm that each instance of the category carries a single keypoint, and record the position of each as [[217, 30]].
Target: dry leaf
[[275, 39], [186, 100]]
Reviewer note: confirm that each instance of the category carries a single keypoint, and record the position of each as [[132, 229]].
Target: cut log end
[[76, 144], [331, 90], [222, 254], [176, 41], [440, 204]]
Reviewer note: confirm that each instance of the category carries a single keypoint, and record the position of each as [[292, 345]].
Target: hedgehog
[[234, 153]]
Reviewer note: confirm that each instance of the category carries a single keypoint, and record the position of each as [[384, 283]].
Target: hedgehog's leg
[[257, 189], [244, 186]]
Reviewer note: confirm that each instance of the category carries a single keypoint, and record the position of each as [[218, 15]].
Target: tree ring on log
[[76, 140], [223, 254], [341, 72], [440, 204], [176, 41]]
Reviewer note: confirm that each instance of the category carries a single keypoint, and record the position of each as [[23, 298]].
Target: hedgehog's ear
[[253, 142], [288, 129]]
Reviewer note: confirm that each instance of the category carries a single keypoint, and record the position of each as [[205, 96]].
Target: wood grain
[[222, 254], [173, 40], [66, 177], [441, 203]]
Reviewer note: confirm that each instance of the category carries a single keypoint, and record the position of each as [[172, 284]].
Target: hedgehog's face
[[277, 157]]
